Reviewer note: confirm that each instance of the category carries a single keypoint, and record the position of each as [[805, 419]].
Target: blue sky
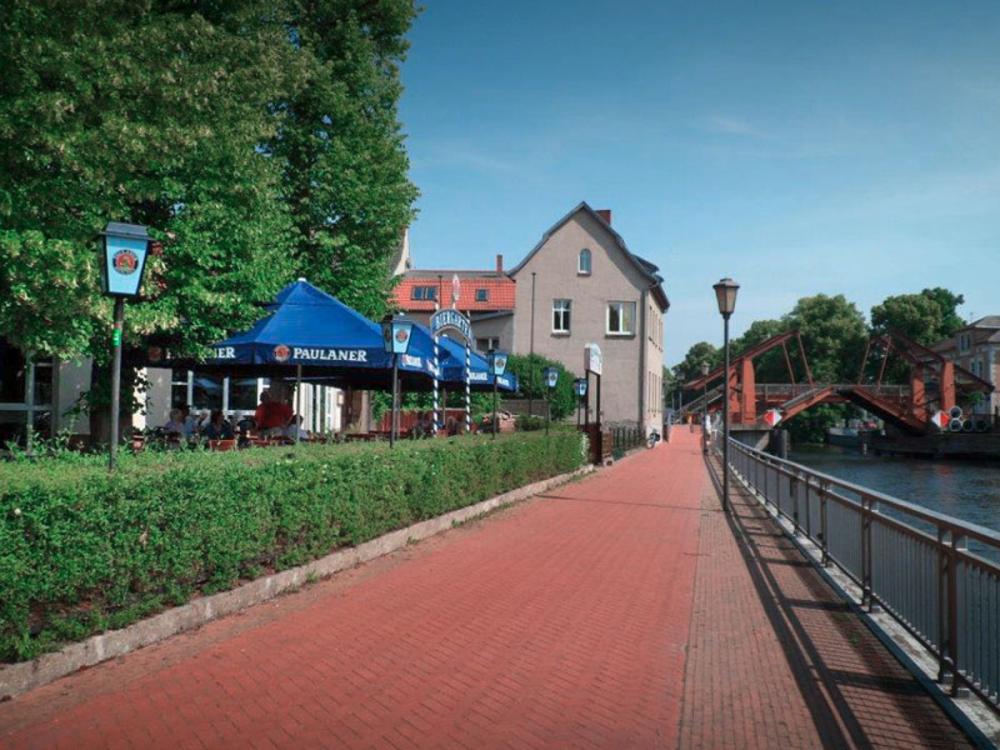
[[799, 147]]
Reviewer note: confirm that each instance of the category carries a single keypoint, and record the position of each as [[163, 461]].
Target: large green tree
[[342, 147], [149, 112], [699, 354], [257, 139], [833, 332], [926, 317]]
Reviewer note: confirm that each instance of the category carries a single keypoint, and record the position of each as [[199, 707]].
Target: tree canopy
[[258, 140], [926, 317]]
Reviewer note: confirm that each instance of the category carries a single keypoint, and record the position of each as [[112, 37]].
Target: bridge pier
[[774, 441]]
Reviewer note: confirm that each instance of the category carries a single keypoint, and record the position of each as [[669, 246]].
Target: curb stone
[[21, 677]]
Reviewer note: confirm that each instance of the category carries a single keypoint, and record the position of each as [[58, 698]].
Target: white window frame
[[621, 304], [562, 307], [580, 270]]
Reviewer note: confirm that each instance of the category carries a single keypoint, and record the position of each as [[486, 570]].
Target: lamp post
[[725, 295], [498, 365], [551, 378], [396, 339], [580, 388], [125, 249]]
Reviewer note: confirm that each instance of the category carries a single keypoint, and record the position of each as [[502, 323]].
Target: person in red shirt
[[272, 414]]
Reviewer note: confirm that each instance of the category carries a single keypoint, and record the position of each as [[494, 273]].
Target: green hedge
[[83, 551]]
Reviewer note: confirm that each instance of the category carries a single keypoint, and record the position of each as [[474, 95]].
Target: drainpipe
[[642, 364]]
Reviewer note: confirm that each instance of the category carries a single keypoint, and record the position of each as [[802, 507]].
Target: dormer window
[[583, 263], [482, 295], [423, 293]]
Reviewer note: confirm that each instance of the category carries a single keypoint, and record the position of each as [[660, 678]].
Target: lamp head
[[125, 249], [725, 295]]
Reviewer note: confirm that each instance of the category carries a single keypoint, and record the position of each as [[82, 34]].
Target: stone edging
[[24, 676]]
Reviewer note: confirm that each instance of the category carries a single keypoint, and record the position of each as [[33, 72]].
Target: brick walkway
[[563, 622]]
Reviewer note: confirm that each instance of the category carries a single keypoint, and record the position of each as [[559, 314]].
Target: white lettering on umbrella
[[330, 355]]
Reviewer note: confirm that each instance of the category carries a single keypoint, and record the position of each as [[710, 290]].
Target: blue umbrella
[[308, 327], [480, 374]]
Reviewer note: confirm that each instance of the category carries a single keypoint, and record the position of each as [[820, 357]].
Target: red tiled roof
[[500, 291]]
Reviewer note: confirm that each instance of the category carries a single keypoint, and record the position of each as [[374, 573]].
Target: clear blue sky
[[799, 147]]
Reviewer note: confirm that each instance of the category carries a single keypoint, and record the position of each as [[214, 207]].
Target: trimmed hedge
[[83, 551]]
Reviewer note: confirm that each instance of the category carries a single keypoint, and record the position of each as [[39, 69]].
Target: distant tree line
[[834, 333]]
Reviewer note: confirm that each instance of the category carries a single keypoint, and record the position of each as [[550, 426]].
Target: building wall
[[613, 278]]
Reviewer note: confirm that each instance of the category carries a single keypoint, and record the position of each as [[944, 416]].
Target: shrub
[[531, 383], [82, 550]]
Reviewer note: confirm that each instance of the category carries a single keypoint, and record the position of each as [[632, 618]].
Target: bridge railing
[[938, 576]]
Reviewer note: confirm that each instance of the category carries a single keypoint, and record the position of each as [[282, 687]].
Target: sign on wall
[[593, 360]]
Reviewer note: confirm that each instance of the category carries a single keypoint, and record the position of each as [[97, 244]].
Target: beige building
[[976, 347], [580, 285]]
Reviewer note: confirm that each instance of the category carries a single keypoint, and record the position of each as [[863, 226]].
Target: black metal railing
[[938, 576], [624, 439]]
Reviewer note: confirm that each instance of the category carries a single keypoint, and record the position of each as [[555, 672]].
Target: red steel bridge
[[933, 383]]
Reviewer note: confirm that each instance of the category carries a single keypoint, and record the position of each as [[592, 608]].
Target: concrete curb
[[24, 676]]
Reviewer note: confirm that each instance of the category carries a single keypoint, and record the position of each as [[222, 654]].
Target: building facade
[[487, 298], [581, 285], [976, 347]]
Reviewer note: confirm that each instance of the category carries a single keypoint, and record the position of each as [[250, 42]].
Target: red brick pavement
[[562, 622], [776, 659]]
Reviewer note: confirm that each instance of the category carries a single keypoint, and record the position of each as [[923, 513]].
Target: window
[[206, 392], [179, 388], [485, 344], [560, 315], [423, 293], [583, 264], [964, 342], [621, 318], [242, 394], [482, 295]]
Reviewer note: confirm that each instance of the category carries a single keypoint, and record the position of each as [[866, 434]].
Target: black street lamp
[[125, 249], [498, 366], [725, 295], [551, 378], [396, 339], [580, 388]]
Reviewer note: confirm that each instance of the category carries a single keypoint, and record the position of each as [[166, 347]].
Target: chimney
[[604, 213], [499, 264]]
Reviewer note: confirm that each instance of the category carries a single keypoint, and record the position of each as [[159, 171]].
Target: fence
[[625, 438], [938, 576]]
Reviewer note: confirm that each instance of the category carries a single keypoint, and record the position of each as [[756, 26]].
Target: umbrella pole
[[298, 402]]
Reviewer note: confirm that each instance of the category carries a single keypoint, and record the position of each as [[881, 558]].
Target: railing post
[[944, 620], [824, 489], [956, 544], [793, 490], [808, 508], [866, 552]]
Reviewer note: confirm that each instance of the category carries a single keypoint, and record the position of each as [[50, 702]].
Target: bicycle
[[653, 439]]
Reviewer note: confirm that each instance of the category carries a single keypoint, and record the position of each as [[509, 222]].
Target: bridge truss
[[934, 382]]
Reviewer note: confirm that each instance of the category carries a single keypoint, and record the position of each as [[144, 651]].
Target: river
[[963, 489]]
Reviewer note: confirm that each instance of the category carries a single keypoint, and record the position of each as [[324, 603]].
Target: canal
[[964, 489]]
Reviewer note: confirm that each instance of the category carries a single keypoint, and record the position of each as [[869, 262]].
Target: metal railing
[[939, 577], [625, 438]]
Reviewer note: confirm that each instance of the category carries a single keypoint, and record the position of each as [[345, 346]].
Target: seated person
[[296, 427], [176, 424], [272, 416], [218, 427]]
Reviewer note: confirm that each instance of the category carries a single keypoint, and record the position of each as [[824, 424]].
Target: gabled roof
[[646, 269], [990, 321]]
